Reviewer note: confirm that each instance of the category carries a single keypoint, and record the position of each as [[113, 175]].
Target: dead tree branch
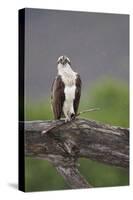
[[63, 143]]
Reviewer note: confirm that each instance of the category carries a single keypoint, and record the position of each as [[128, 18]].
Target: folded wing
[[77, 93], [57, 97]]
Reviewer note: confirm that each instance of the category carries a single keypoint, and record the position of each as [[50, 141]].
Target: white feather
[[69, 98], [68, 77]]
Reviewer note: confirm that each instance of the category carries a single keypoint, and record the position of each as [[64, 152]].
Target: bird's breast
[[70, 86], [69, 93]]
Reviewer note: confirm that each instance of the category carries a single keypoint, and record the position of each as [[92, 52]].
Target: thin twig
[[89, 110]]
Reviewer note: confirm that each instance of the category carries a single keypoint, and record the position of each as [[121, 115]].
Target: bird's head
[[64, 65], [63, 60]]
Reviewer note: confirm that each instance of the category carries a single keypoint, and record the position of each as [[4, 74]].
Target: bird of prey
[[65, 91]]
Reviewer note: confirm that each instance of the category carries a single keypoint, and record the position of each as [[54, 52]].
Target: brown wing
[[77, 93], [57, 97]]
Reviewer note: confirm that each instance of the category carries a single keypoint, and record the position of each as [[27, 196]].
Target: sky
[[96, 43]]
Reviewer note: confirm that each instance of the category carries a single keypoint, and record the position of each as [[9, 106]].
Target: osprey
[[66, 90]]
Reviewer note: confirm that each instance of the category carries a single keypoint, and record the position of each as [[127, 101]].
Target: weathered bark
[[63, 143]]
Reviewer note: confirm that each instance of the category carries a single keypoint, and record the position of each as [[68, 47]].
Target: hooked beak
[[63, 60]]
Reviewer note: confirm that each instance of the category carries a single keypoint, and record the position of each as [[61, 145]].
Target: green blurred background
[[112, 97]]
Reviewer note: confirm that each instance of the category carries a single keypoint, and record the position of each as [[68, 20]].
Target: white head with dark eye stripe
[[63, 60], [64, 65]]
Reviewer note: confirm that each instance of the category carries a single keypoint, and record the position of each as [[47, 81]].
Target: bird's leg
[[73, 116], [67, 117]]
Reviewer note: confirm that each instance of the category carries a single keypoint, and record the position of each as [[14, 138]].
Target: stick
[[89, 110]]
